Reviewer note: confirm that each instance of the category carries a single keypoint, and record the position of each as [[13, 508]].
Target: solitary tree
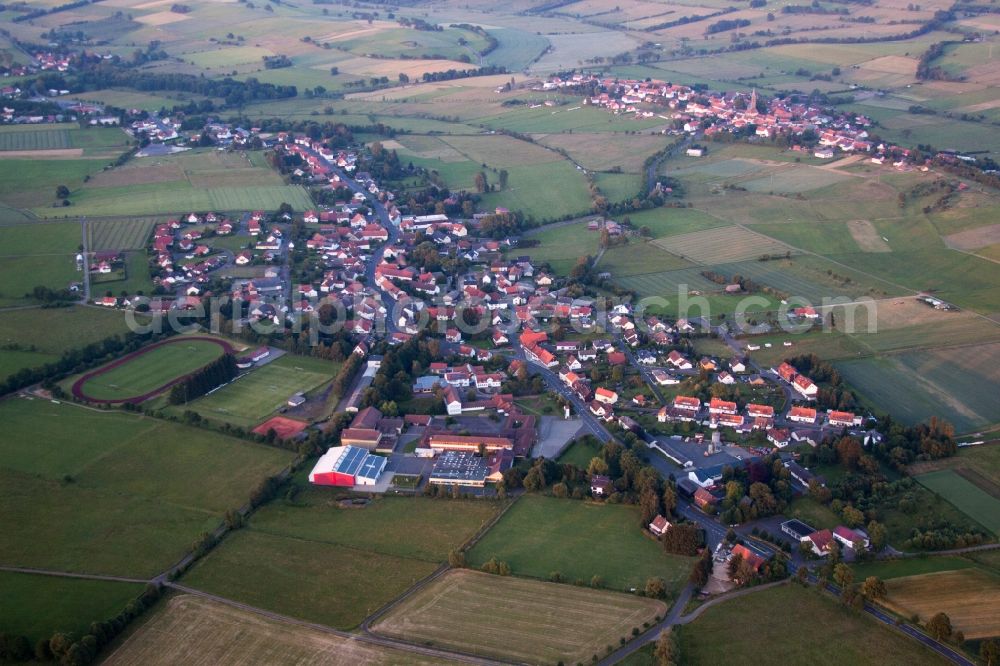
[[939, 626], [62, 192], [656, 588], [874, 588]]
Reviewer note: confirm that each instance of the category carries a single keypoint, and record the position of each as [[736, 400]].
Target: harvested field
[[162, 18], [721, 245], [970, 597], [867, 236], [973, 239], [218, 634], [56, 153], [517, 619], [139, 174]]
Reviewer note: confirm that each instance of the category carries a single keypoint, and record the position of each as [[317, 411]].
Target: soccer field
[[150, 370], [251, 397]]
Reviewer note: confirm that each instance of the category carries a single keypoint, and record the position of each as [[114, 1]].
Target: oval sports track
[[80, 394]]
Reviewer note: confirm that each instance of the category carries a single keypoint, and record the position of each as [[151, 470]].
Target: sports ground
[[138, 376]]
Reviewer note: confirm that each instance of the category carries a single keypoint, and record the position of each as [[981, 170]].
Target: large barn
[[347, 466]]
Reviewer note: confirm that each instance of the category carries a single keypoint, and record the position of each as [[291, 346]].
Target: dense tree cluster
[[198, 383]]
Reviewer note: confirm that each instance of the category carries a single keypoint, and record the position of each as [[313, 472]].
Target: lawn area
[[251, 397], [970, 499], [107, 492], [580, 453], [217, 633], [285, 574], [432, 527], [516, 619], [152, 369], [38, 606], [813, 513], [764, 616], [541, 535]]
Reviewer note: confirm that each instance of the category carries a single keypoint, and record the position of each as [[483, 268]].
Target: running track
[[79, 394]]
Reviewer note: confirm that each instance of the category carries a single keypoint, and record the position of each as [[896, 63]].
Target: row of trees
[[198, 383]]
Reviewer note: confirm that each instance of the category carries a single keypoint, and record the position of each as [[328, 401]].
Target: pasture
[[561, 245], [516, 619], [113, 493], [764, 615], [53, 330], [970, 597], [219, 634], [541, 535], [967, 497], [256, 394], [151, 370], [281, 574], [637, 257], [38, 606], [721, 245], [432, 527]]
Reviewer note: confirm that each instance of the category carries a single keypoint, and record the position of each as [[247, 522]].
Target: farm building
[[347, 466]]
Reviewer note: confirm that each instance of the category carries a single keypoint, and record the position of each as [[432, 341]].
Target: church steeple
[[752, 107]]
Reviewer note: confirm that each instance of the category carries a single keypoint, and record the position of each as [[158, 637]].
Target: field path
[[67, 574]]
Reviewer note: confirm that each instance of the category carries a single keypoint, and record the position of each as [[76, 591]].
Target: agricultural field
[[179, 183], [859, 639], [638, 257], [541, 535], [978, 464], [721, 245], [970, 597], [152, 369], [561, 245], [517, 619], [433, 527], [966, 496], [253, 396], [216, 633], [913, 385], [118, 234], [38, 606], [280, 574], [61, 141], [148, 488]]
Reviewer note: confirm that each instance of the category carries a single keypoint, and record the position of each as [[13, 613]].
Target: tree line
[[200, 382]]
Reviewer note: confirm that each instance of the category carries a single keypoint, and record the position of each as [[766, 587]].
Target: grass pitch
[[970, 597], [247, 400], [761, 618], [517, 619], [541, 535], [152, 369], [216, 634]]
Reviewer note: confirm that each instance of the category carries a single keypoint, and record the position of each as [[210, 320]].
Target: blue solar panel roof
[[353, 458]]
